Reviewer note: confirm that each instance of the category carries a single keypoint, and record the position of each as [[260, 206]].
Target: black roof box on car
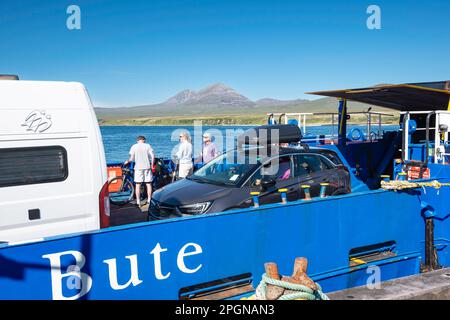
[[270, 134]]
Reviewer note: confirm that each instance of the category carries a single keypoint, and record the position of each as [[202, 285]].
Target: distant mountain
[[217, 94], [180, 98], [220, 100]]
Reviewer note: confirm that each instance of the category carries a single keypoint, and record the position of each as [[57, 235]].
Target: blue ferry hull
[[179, 253]]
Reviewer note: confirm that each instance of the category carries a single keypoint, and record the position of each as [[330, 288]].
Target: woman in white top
[[184, 156]]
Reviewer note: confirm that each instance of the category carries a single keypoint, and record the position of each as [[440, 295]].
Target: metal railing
[[334, 116], [440, 138]]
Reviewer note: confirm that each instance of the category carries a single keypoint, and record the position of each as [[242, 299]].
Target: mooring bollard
[[299, 276], [255, 195], [273, 292], [298, 286], [300, 273], [385, 177], [306, 188], [283, 195], [323, 189], [402, 176]]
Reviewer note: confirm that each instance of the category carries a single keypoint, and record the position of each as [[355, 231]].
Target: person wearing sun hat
[[209, 149]]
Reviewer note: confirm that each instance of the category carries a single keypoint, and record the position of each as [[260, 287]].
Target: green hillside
[[223, 115]]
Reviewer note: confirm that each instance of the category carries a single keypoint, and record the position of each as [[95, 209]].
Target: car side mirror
[[267, 183]]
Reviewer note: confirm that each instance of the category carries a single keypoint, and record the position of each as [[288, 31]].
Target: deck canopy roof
[[426, 96]]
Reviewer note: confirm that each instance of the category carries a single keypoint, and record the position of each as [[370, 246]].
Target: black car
[[226, 182]]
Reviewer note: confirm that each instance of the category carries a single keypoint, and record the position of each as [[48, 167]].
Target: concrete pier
[[426, 286]]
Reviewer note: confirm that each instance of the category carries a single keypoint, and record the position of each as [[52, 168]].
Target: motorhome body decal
[[37, 121]]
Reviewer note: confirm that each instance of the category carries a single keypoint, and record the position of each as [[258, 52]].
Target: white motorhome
[[52, 162]]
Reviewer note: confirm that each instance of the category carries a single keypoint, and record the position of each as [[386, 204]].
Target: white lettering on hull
[[57, 276], [74, 278], [112, 268]]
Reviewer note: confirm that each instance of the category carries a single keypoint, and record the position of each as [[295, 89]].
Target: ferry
[[57, 241]]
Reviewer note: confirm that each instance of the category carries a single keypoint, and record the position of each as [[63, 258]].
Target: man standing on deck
[[143, 156]]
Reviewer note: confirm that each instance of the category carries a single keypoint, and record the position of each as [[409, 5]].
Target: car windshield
[[230, 168]]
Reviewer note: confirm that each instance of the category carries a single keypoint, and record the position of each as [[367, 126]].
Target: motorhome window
[[23, 166]]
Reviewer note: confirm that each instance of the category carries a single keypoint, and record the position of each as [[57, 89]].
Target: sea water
[[118, 139]]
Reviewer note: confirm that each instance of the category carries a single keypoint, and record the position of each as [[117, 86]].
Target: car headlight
[[196, 208]]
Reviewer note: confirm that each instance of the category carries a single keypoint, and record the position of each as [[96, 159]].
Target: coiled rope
[[402, 184]]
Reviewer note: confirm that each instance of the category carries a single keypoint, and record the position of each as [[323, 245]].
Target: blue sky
[[144, 51]]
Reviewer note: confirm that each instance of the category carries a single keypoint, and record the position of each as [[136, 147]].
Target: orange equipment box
[[414, 173], [112, 173]]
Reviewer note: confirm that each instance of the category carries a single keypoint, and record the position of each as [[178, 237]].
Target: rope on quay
[[403, 184], [300, 292], [296, 287]]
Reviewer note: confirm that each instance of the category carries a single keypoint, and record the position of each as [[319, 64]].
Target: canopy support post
[[342, 132]]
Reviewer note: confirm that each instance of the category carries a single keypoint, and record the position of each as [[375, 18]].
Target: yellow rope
[[400, 184]]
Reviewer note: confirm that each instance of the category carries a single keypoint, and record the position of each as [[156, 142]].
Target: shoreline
[[226, 125], [227, 121]]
